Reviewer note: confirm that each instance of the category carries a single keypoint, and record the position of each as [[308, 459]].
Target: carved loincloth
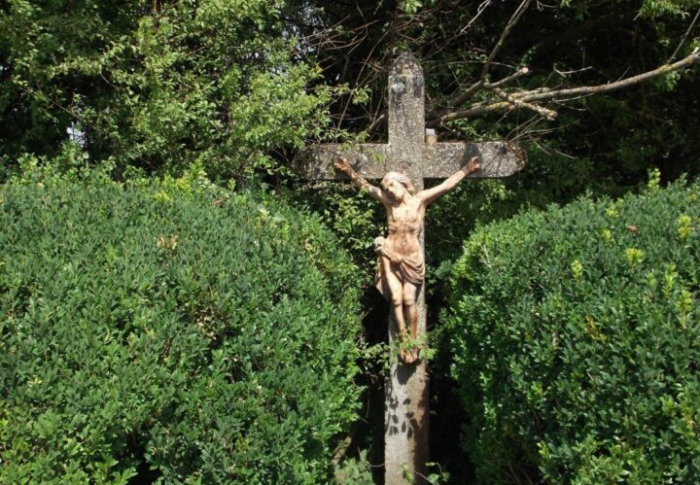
[[407, 269]]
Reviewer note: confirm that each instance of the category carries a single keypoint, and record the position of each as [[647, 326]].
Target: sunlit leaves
[[169, 330], [575, 335]]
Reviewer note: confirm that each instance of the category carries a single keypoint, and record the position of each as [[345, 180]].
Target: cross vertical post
[[407, 399]]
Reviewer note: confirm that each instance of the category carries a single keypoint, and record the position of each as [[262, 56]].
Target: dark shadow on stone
[[405, 372]]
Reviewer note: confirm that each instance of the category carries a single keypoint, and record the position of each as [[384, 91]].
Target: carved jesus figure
[[401, 268]]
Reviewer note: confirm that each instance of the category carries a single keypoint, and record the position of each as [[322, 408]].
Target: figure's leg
[[410, 298], [396, 302]]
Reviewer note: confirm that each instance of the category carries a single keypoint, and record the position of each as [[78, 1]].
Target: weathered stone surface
[[498, 159], [406, 408], [369, 160], [406, 103], [439, 160], [406, 400]]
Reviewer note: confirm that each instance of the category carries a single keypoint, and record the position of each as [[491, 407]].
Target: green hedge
[[576, 342], [159, 332]]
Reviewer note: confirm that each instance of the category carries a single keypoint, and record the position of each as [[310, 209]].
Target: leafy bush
[[576, 342], [169, 331]]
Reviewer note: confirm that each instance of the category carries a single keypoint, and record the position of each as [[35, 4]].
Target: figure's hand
[[342, 166], [473, 165], [379, 244]]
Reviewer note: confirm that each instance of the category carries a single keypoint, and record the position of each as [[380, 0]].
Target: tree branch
[[524, 99], [523, 71], [509, 26], [604, 88], [481, 84], [464, 97], [476, 110], [376, 122], [516, 103], [685, 37], [479, 11]]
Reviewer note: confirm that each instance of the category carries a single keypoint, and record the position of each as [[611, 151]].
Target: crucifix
[[404, 162]]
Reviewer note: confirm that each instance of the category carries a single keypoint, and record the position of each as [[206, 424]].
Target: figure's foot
[[416, 353], [406, 356]]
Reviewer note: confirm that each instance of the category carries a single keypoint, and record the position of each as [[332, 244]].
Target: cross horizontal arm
[[369, 160], [498, 159]]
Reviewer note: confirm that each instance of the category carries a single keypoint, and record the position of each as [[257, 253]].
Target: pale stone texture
[[407, 399]]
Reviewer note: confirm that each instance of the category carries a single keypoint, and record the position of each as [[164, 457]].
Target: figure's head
[[396, 184]]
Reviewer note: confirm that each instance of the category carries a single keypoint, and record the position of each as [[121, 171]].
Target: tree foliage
[[157, 85], [161, 84]]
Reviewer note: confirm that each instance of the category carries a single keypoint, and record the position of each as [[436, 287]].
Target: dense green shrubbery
[[576, 342], [147, 331]]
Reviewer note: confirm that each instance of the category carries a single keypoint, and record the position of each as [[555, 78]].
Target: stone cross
[[406, 400]]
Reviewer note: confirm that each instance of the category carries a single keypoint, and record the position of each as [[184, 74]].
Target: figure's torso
[[405, 221]]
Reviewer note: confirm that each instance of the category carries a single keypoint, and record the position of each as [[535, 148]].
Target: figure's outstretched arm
[[429, 195], [342, 166]]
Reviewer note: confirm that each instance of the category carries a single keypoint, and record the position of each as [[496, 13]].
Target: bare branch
[[573, 71], [545, 94], [685, 37], [476, 110], [547, 113], [481, 84], [376, 122], [466, 95], [604, 88], [479, 11], [523, 71], [509, 26]]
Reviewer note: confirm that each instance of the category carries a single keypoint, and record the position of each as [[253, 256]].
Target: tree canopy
[[239, 87], [236, 85]]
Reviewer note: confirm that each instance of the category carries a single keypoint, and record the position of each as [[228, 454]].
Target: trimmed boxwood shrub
[[171, 334], [576, 341]]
